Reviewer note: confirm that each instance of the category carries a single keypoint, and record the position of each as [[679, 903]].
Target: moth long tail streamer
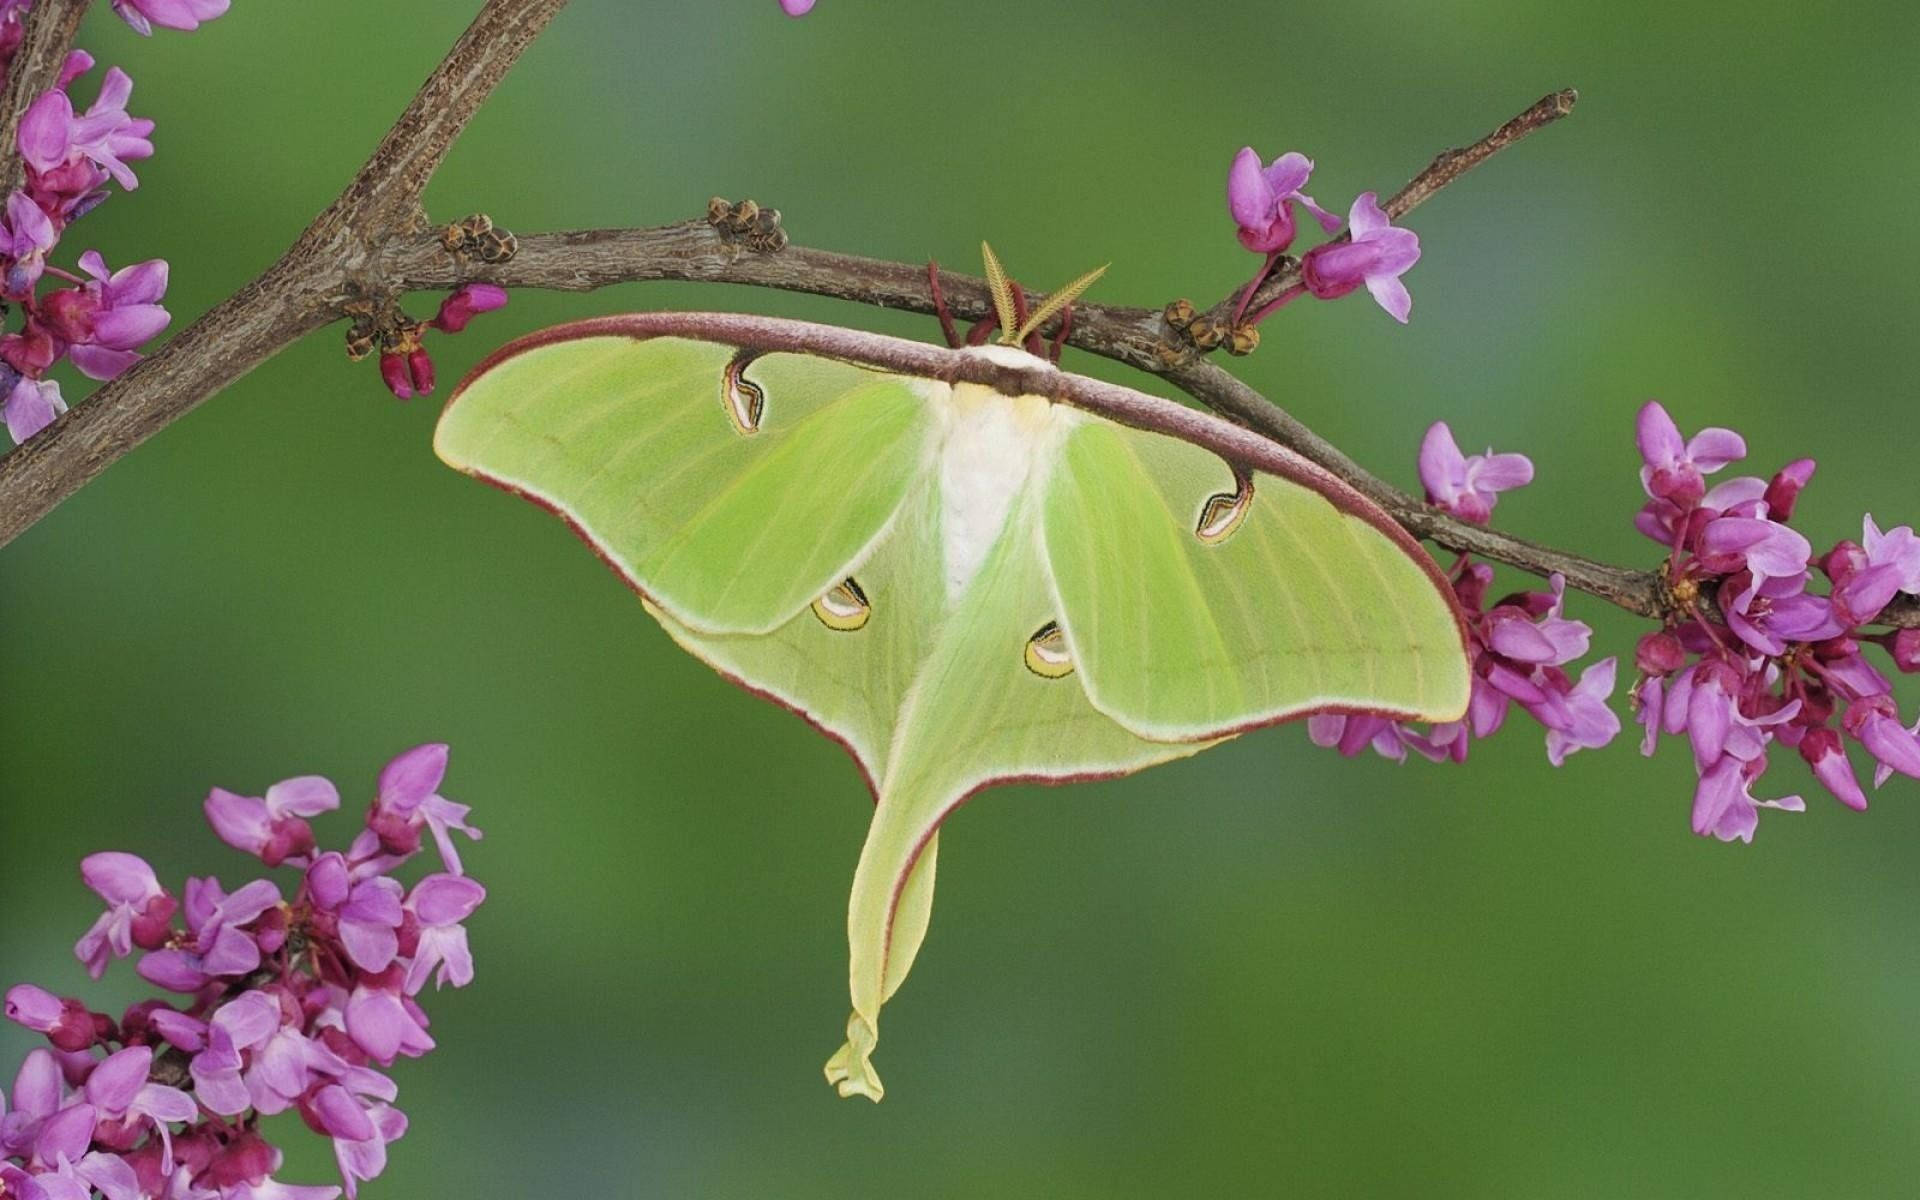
[[886, 922]]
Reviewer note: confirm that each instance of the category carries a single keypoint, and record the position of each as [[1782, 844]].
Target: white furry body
[[993, 447]]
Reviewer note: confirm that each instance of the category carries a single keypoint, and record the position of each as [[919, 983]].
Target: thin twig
[[384, 196], [44, 42], [1446, 167]]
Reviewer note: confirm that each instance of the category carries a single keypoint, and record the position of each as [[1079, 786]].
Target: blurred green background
[[1262, 971]]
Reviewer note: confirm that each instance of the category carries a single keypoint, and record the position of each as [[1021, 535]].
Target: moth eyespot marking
[[844, 608], [1223, 512], [744, 400], [1047, 654]]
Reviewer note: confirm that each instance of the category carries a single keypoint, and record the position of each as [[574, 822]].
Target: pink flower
[[31, 406], [1377, 255], [143, 15], [361, 1131], [1261, 199], [139, 911], [796, 8], [1724, 805], [1674, 469], [273, 828], [104, 320], [1585, 722], [366, 915], [408, 802], [385, 1022], [51, 135], [1465, 486], [118, 1089], [438, 904]]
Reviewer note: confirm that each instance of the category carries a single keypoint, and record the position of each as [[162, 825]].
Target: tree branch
[[384, 196], [373, 240], [298, 294], [45, 40]]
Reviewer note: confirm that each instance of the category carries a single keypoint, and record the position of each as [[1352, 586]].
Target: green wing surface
[[964, 587], [1197, 600], [731, 532]]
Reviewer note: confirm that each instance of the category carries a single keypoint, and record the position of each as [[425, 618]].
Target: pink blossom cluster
[[287, 1004], [101, 317], [1264, 199], [1755, 652], [1521, 644]]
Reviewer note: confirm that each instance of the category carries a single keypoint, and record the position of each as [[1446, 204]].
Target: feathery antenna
[[1002, 290], [1057, 301]]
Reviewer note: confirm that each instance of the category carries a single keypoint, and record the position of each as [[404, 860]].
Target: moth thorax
[[995, 446]]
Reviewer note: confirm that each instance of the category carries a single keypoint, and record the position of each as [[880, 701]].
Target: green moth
[[967, 566]]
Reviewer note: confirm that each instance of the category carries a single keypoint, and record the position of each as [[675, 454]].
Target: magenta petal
[[1288, 173], [1503, 472], [110, 1174], [118, 1079], [116, 88], [129, 327], [33, 1007], [37, 1087], [1866, 592], [1328, 221], [377, 1023], [224, 1093], [239, 821], [1835, 773], [165, 1104], [1250, 199], [249, 902], [340, 1115], [1366, 217], [1391, 295], [232, 953], [1443, 469], [371, 947], [1892, 744], [100, 362], [249, 1020], [1521, 640], [1716, 792], [303, 796], [328, 881], [1657, 435], [43, 131], [119, 878], [446, 899], [174, 970], [31, 407], [413, 776], [188, 1033], [66, 1134], [1713, 448], [141, 283], [1396, 250]]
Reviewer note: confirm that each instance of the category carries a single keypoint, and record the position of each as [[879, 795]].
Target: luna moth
[[965, 565]]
